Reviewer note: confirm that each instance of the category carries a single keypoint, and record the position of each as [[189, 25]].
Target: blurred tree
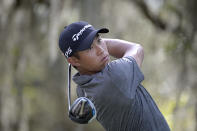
[[182, 27], [32, 81], [24, 33], [33, 74]]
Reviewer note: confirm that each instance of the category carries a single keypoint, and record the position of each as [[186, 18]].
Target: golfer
[[114, 87]]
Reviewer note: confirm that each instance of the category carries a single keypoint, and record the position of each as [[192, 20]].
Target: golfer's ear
[[73, 61]]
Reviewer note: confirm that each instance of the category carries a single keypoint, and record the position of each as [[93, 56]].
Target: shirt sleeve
[[125, 75]]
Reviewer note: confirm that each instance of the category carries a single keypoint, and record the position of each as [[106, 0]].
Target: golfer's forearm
[[120, 48]]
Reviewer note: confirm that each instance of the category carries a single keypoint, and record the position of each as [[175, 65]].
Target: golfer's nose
[[99, 49]]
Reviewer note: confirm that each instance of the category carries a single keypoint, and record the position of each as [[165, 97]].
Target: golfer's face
[[95, 58]]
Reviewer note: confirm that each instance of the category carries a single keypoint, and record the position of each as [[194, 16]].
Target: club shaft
[[69, 82]]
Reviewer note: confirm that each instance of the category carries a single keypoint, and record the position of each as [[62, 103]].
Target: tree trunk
[[54, 18], [90, 11]]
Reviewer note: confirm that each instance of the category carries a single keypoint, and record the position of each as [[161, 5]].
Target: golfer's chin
[[103, 65], [106, 62]]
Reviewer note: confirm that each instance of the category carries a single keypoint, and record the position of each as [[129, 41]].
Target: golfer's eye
[[99, 40]]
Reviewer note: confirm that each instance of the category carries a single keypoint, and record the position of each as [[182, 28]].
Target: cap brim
[[87, 42], [103, 30]]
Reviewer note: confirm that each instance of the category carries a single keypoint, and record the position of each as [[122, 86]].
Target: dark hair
[[76, 54]]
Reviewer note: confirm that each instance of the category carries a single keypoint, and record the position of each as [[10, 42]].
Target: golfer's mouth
[[105, 58]]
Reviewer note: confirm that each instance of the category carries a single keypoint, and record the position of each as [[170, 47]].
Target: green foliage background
[[33, 70]]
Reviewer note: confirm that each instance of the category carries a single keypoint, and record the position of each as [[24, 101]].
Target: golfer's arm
[[120, 48]]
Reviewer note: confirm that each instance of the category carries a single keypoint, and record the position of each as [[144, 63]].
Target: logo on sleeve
[[75, 37]]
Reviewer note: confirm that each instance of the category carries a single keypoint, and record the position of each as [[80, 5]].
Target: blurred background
[[33, 72]]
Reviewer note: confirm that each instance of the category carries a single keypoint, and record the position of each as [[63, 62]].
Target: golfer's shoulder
[[122, 63], [120, 67]]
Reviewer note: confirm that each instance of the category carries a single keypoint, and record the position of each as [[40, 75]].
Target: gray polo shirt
[[122, 103]]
